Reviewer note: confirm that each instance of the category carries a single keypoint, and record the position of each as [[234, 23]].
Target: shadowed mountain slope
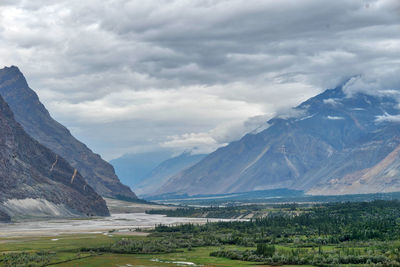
[[38, 123], [37, 182]]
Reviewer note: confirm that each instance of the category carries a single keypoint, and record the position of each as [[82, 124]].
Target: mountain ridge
[[31, 174], [133, 168], [38, 123], [297, 152], [163, 171]]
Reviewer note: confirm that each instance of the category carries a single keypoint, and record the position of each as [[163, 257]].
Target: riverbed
[[116, 223]]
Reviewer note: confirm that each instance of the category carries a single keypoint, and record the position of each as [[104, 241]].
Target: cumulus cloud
[[131, 76]]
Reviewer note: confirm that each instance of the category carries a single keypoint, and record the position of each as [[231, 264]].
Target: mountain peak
[[11, 72], [11, 68], [30, 172]]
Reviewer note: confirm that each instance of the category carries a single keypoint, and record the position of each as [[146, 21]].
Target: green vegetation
[[26, 259], [328, 234], [347, 234], [230, 212]]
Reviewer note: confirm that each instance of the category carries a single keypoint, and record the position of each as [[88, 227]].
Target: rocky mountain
[[133, 168], [37, 182], [337, 144], [159, 175], [38, 123]]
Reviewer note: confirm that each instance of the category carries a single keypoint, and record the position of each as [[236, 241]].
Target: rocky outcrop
[[31, 172], [337, 144], [38, 123]]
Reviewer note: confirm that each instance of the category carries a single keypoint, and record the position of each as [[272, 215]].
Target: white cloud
[[331, 101], [334, 118], [207, 142], [388, 117], [385, 81]]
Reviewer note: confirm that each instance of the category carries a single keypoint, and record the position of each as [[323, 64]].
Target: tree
[[265, 250]]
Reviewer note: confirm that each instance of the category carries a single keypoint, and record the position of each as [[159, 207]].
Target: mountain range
[[37, 122], [36, 182], [164, 171], [132, 169], [338, 143]]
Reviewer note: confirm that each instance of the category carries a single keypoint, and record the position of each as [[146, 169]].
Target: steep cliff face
[[338, 144], [38, 123], [32, 174]]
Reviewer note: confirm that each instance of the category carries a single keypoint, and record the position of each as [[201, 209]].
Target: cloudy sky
[[134, 76]]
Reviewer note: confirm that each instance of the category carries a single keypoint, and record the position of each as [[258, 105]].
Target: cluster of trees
[[211, 212], [132, 246], [294, 257], [322, 224], [229, 212], [158, 244], [25, 259]]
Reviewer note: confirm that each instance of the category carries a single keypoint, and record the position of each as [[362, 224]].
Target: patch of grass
[[65, 252], [111, 260], [63, 243]]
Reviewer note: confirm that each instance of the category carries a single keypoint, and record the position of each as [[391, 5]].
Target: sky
[[188, 75]]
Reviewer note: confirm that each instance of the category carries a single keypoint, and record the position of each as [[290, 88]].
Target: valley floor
[[335, 234], [119, 223]]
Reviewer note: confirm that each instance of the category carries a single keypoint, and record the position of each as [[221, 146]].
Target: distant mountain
[[38, 123], [37, 182], [133, 168], [159, 175], [338, 144]]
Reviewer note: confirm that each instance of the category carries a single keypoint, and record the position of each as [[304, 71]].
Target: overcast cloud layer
[[133, 76]]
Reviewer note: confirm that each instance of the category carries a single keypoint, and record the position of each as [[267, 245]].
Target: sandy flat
[[119, 206], [116, 223]]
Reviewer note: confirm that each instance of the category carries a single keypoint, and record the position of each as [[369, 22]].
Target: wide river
[[119, 222]]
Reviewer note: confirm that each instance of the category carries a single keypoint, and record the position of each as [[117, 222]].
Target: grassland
[[66, 251]]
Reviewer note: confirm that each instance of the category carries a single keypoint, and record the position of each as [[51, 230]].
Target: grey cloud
[[213, 36], [193, 73], [9, 2]]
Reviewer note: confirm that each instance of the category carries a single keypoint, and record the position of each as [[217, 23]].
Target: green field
[[66, 252]]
